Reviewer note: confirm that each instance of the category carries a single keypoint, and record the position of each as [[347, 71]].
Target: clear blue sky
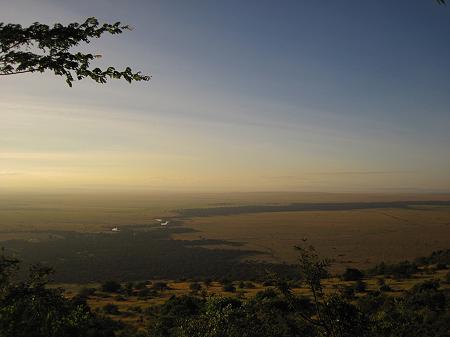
[[246, 95]]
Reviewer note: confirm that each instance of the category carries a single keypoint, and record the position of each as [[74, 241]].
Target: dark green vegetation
[[420, 312], [352, 274], [296, 207], [30, 308], [132, 255], [277, 312], [38, 48]]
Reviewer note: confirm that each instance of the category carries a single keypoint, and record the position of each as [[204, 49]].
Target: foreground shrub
[[352, 274], [30, 309], [111, 287]]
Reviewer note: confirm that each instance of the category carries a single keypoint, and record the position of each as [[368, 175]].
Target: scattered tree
[[111, 287], [229, 287], [207, 282], [360, 286], [111, 309], [195, 287], [352, 274], [160, 286]]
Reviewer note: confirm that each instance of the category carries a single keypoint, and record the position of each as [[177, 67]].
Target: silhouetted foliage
[[30, 308], [111, 287], [385, 287], [111, 309], [398, 270], [146, 293], [348, 292], [160, 286], [39, 47], [352, 274], [195, 287], [360, 286], [207, 282], [439, 257], [229, 287], [277, 311]]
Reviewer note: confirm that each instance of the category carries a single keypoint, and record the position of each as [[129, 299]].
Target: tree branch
[[18, 72]]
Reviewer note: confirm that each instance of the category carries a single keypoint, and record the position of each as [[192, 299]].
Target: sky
[[329, 96]]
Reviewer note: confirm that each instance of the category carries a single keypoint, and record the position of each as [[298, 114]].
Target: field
[[357, 238], [74, 230]]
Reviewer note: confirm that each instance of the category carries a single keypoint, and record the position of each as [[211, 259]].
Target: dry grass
[[353, 238]]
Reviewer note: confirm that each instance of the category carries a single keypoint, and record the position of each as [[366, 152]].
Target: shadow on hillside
[[137, 255]]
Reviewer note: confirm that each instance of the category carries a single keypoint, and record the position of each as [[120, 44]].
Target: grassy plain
[[358, 238], [352, 237]]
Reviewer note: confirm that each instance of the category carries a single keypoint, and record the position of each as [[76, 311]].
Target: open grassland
[[352, 237], [20, 213]]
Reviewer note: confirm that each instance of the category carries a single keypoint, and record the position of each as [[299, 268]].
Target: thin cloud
[[361, 172], [7, 174], [332, 173]]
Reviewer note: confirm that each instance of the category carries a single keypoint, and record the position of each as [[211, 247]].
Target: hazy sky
[[245, 96]]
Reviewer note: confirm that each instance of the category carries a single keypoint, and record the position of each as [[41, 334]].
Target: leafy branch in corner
[[39, 47]]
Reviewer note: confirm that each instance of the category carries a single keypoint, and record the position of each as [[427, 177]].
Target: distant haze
[[331, 96]]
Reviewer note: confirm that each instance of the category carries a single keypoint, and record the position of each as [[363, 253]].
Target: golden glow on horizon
[[53, 145]]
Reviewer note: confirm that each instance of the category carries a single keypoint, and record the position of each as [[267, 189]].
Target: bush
[[86, 292], [120, 298], [441, 266], [399, 270], [229, 287], [426, 295], [246, 285], [348, 292], [195, 287], [111, 309], [385, 288], [111, 287], [360, 286], [129, 288], [249, 285], [141, 285], [295, 284], [160, 286], [352, 274], [268, 283], [136, 309], [146, 292], [225, 281]]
